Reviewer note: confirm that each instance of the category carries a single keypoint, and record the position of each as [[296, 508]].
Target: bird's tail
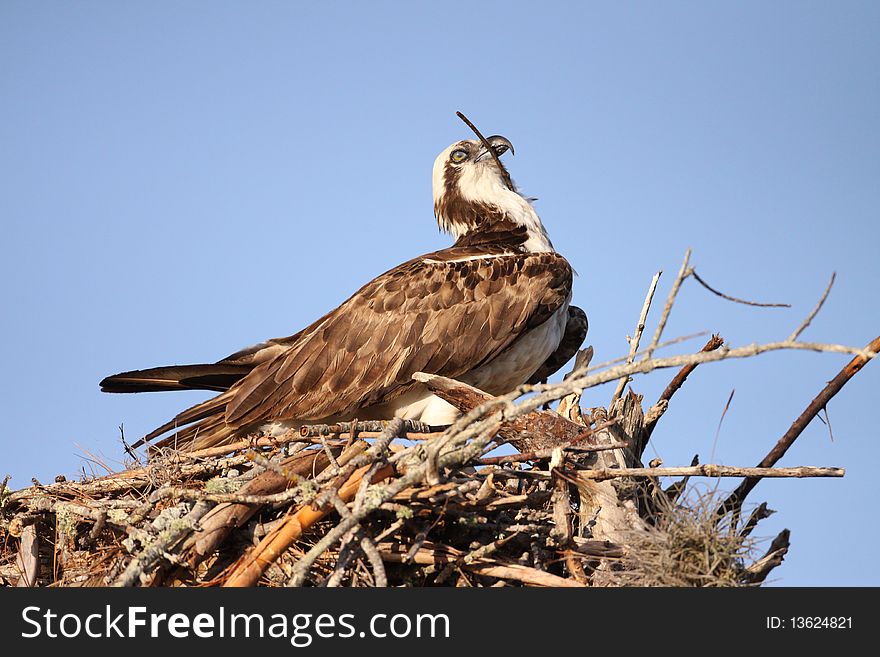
[[200, 426], [217, 376]]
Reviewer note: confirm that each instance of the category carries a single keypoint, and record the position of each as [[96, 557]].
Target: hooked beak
[[499, 144]]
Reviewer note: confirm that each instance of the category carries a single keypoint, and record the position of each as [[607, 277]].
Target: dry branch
[[637, 336], [683, 273], [715, 342], [800, 329], [735, 500], [736, 299], [710, 470]]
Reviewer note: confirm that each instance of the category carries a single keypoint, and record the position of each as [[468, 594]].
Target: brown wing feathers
[[444, 313], [479, 307]]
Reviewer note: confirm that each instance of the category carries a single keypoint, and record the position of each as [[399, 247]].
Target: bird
[[492, 310]]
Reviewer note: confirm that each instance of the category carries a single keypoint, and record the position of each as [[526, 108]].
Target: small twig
[[800, 329], [828, 424], [125, 481], [390, 529], [126, 446], [735, 299], [488, 147], [562, 532], [683, 273], [637, 337], [380, 579], [435, 495], [417, 542], [193, 495], [720, 422], [346, 555], [330, 454], [361, 494], [469, 558], [641, 352]]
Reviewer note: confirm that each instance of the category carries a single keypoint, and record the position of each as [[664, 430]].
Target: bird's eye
[[458, 156]]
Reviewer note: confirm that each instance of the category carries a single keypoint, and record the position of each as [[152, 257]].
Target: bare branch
[[683, 273], [800, 329], [715, 342], [720, 422], [735, 299], [709, 470], [637, 336]]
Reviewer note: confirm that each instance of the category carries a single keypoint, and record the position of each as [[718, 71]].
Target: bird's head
[[473, 191]]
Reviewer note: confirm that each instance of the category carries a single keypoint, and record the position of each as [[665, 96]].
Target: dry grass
[[690, 546]]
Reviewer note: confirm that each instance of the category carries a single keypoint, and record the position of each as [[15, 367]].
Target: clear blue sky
[[179, 180]]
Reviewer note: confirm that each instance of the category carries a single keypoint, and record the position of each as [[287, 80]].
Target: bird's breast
[[522, 358]]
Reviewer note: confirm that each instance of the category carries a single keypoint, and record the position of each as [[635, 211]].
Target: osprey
[[492, 311]]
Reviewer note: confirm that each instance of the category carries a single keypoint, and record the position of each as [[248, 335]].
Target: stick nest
[[193, 521]]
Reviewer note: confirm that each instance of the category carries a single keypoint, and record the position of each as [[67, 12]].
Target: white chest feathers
[[520, 360]]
